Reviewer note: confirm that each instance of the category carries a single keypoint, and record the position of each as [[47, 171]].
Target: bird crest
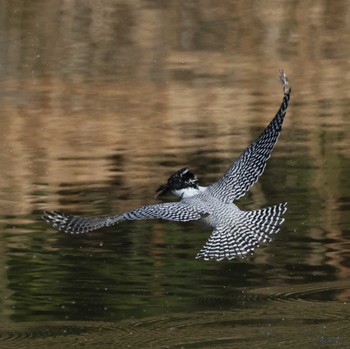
[[182, 179]]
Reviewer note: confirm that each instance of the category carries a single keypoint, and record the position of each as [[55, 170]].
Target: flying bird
[[236, 233]]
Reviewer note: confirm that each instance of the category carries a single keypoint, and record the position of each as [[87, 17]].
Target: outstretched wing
[[246, 170], [172, 211]]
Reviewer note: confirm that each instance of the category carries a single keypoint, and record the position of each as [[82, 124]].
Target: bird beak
[[161, 190]]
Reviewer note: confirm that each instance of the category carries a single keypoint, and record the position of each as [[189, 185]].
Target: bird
[[235, 232]]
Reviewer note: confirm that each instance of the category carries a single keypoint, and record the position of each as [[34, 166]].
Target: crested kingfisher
[[235, 233]]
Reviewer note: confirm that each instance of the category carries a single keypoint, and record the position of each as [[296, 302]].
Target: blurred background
[[101, 101]]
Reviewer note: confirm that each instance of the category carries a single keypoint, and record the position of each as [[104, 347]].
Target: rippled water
[[101, 102]]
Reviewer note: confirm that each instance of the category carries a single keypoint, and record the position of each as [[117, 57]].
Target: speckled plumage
[[235, 232]]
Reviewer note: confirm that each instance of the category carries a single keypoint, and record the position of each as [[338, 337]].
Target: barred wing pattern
[[246, 170], [172, 211], [240, 239]]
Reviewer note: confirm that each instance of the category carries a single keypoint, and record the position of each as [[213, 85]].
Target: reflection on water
[[101, 101], [293, 325]]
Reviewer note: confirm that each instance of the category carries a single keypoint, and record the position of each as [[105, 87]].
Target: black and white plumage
[[235, 232]]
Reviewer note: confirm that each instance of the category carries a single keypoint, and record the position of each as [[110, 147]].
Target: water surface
[[101, 102]]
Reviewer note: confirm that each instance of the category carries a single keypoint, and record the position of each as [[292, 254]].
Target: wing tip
[[59, 221], [285, 82]]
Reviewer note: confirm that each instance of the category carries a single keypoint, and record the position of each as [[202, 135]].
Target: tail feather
[[266, 221], [252, 228]]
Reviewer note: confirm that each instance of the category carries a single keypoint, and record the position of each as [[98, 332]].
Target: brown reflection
[[58, 100]]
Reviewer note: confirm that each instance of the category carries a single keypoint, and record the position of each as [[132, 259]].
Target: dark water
[[101, 102]]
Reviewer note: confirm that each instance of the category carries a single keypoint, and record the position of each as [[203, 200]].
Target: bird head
[[182, 179]]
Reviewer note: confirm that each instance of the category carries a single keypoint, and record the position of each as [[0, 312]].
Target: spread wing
[[246, 170], [172, 211]]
